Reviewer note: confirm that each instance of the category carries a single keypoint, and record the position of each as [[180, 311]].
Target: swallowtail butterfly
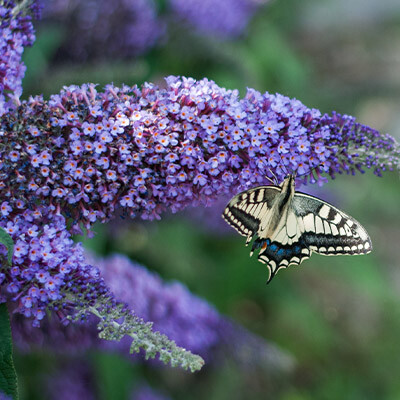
[[290, 225]]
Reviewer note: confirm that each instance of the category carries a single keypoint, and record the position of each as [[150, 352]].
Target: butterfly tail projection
[[277, 256]]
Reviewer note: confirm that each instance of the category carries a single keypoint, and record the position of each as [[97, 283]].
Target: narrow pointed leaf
[[8, 376], [5, 239]]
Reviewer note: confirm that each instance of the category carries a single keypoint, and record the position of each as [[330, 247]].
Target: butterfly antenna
[[274, 181], [283, 167], [309, 173]]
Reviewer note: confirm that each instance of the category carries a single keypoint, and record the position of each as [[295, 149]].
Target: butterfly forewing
[[246, 210], [328, 230]]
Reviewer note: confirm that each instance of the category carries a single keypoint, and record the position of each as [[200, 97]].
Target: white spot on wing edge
[[324, 211]]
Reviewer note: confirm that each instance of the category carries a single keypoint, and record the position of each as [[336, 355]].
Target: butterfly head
[[288, 184]]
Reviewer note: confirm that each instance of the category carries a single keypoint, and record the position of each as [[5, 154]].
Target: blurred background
[[338, 317]]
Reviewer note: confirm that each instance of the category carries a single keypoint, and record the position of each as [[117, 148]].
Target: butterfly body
[[290, 225]]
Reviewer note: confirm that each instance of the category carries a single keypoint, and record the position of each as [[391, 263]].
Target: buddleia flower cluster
[[16, 31], [146, 149]]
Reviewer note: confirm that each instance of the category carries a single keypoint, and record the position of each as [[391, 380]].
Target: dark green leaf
[[5, 239], [8, 376]]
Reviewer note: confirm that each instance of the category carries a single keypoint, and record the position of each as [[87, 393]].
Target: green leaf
[[8, 376], [5, 239]]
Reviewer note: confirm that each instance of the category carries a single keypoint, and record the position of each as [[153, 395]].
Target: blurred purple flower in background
[[145, 392], [99, 29], [75, 380], [188, 320], [223, 18]]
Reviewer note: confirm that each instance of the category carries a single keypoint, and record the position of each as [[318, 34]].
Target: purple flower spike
[[139, 152], [50, 272], [16, 32]]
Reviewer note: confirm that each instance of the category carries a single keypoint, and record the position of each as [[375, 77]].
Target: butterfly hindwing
[[328, 230], [246, 210], [276, 255]]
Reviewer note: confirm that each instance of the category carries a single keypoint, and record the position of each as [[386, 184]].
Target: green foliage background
[[338, 316]]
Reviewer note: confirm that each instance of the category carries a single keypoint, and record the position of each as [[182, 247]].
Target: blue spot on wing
[[278, 252]]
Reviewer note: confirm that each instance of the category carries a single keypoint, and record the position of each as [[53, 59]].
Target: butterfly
[[290, 225]]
